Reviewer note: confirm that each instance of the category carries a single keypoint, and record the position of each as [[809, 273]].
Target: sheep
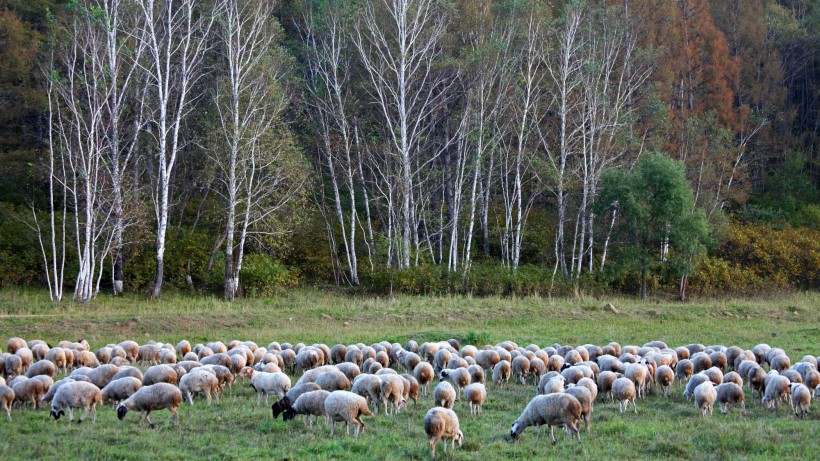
[[550, 384], [26, 356], [201, 381], [409, 360], [288, 359], [777, 389], [76, 395], [28, 391], [552, 410], [333, 381], [350, 370], [623, 390], [442, 423], [128, 371], [458, 377], [719, 359], [705, 397], [412, 391], [151, 398], [392, 393], [267, 383], [728, 394], [444, 395], [456, 362], [222, 359], [131, 350], [6, 399], [120, 389], [311, 375], [501, 372], [440, 360], [694, 381], [756, 378], [800, 400], [290, 396], [639, 374], [733, 377], [585, 398], [159, 374], [354, 356], [147, 353], [311, 403], [521, 368], [590, 385], [15, 343], [167, 356], [13, 366], [349, 407], [337, 353], [664, 376], [780, 363], [537, 368], [183, 347], [476, 374], [475, 394], [487, 359], [57, 355], [370, 387], [793, 376], [103, 375], [700, 361]]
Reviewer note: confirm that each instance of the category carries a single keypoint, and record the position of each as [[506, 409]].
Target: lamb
[[585, 398], [349, 407], [705, 397], [521, 368], [28, 391], [664, 376], [120, 389], [333, 381], [159, 374], [151, 398], [501, 372], [442, 423], [552, 410], [267, 383], [728, 394], [444, 395], [392, 393], [458, 377], [76, 395], [475, 394], [800, 400], [201, 381], [777, 389], [290, 396], [370, 387], [623, 390], [310, 403], [6, 399]]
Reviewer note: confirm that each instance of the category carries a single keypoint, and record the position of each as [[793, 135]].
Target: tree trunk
[[643, 283], [683, 280]]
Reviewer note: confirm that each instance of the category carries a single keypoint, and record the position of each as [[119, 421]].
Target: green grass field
[[238, 429]]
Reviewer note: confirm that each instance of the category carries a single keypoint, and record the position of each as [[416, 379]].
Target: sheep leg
[[83, 416], [216, 396], [635, 404], [332, 426], [94, 414], [70, 415], [148, 418], [190, 397], [208, 396], [537, 432], [266, 398], [176, 415], [433, 443], [552, 435], [8, 412]]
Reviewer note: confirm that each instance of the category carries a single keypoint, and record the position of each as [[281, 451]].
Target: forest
[[664, 148]]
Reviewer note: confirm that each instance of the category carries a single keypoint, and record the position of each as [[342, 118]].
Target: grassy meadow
[[238, 429]]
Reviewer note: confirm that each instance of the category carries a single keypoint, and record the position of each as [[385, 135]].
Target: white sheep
[[623, 390], [267, 383], [310, 403], [705, 397], [120, 389], [585, 398], [444, 395], [458, 377], [552, 410], [664, 377], [728, 394], [392, 393], [6, 400], [550, 384], [442, 423], [200, 381], [475, 394], [800, 400], [777, 389], [348, 407], [76, 394], [151, 398]]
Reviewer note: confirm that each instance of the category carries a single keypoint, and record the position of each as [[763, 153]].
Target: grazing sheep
[[290, 396], [715, 375], [354, 356], [550, 384], [502, 372], [348, 407], [700, 361], [412, 391], [777, 389], [487, 359], [694, 381], [201, 381], [705, 397], [552, 410], [442, 423], [311, 403], [585, 398], [370, 387], [6, 399], [664, 377], [756, 378], [152, 398], [311, 375], [15, 343], [333, 381], [639, 374], [167, 356], [76, 395], [268, 383], [440, 360], [521, 368], [148, 353], [444, 395], [793, 376], [409, 360], [337, 354], [590, 385], [183, 347], [159, 374], [623, 390], [350, 370], [719, 359], [120, 389], [475, 394], [13, 366], [800, 400], [728, 394], [780, 363], [57, 355], [222, 359], [733, 377], [28, 391], [103, 375], [392, 393], [476, 374]]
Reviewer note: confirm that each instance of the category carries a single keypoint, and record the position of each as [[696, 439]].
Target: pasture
[[238, 429]]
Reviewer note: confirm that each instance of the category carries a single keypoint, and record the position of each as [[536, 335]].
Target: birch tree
[[175, 34]]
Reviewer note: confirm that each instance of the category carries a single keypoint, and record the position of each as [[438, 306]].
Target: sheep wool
[[444, 395], [73, 395], [348, 407], [442, 424], [475, 394], [553, 410], [152, 398]]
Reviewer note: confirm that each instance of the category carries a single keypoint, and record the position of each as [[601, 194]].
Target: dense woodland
[[242, 147]]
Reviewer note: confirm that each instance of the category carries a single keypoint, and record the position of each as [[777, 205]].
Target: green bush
[[263, 275]]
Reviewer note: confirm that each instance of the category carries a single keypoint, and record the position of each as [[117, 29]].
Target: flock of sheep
[[343, 383]]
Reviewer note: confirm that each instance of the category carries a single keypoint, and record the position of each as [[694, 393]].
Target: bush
[[263, 275]]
